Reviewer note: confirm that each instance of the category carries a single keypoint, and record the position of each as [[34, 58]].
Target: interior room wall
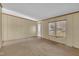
[[17, 28], [76, 30], [72, 35], [0, 25]]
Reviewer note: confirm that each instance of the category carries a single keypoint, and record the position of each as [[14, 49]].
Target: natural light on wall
[[39, 29], [33, 29], [57, 28]]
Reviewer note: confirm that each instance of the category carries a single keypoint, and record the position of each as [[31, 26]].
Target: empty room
[[39, 29]]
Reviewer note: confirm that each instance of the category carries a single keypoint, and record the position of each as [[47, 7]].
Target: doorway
[[39, 29]]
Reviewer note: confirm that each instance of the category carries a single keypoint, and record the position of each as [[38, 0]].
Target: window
[[52, 29], [57, 28], [61, 28]]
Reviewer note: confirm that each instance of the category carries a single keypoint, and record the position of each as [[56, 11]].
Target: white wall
[[17, 28], [76, 30], [0, 26], [72, 32]]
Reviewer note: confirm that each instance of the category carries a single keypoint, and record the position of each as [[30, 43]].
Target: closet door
[[0, 25]]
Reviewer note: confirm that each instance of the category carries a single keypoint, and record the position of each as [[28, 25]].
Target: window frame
[[56, 29]]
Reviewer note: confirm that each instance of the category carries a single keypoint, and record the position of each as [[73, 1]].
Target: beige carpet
[[38, 47]]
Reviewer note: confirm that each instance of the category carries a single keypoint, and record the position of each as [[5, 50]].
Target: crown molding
[[4, 10]]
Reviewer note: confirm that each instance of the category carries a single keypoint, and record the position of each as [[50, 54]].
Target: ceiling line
[[7, 11]]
